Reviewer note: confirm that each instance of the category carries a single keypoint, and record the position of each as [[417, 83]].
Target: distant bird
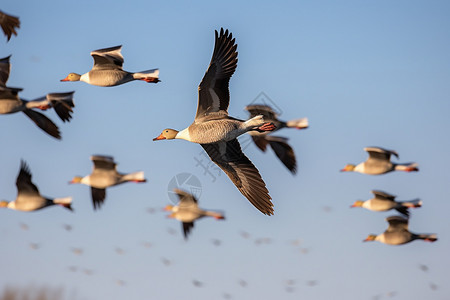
[[9, 24], [24, 226], [34, 246], [197, 283], [187, 211], [217, 132], [77, 251], [67, 227], [384, 202], [397, 233], [107, 70], [11, 103], [279, 144], [379, 163], [104, 174], [28, 196]]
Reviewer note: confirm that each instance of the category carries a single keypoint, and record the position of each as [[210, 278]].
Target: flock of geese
[[379, 162], [212, 128]]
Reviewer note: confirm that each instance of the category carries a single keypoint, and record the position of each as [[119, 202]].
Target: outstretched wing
[[62, 103], [98, 197], [397, 223], [230, 158], [187, 227], [5, 68], [259, 109], [213, 91], [378, 153], [23, 181], [103, 162], [383, 195], [284, 152], [186, 199], [107, 58]]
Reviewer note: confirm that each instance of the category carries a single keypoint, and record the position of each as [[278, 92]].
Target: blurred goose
[[28, 196], [104, 174], [397, 233], [107, 70], [217, 132], [279, 144], [187, 211], [379, 163], [384, 201], [9, 24], [11, 103]]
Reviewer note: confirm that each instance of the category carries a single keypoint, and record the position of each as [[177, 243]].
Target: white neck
[[359, 168], [85, 77], [183, 134]]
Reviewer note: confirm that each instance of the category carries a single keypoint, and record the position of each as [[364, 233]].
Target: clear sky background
[[365, 73]]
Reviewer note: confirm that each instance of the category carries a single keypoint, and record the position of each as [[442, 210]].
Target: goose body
[[379, 162], [279, 144], [28, 196], [216, 131], [384, 202], [107, 70], [104, 175], [187, 211], [397, 233]]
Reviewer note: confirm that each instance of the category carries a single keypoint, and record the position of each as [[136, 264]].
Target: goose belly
[[107, 77], [215, 131], [396, 238], [30, 203], [10, 106], [379, 205]]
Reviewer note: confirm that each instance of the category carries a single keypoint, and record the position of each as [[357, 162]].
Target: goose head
[[168, 207], [76, 179], [358, 203], [370, 238], [348, 168], [167, 134], [72, 77]]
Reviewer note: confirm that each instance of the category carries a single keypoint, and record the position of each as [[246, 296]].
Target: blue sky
[[365, 73]]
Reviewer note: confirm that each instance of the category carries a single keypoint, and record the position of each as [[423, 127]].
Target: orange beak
[[65, 79], [160, 137]]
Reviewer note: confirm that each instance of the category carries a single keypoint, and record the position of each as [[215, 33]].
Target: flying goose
[[10, 102], [107, 70], [187, 211], [28, 196], [379, 163], [279, 144], [217, 132], [104, 174], [384, 201], [9, 24], [397, 233]]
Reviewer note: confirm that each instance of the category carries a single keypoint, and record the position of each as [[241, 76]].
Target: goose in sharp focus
[[217, 132], [187, 211], [384, 201], [10, 102], [28, 196], [397, 233], [379, 163], [107, 70], [279, 144], [9, 24], [104, 174]]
